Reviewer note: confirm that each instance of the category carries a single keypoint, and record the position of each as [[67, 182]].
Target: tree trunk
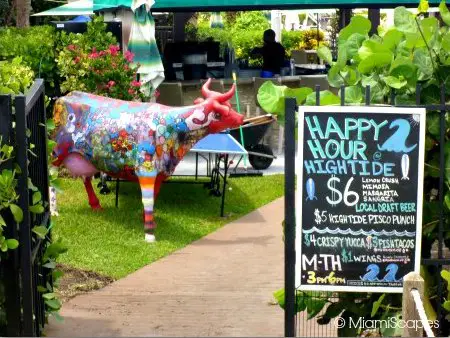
[[23, 8]]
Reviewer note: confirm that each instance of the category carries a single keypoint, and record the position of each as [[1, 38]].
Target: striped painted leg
[[147, 183]]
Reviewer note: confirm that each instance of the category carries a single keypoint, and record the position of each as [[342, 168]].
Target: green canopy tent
[[87, 7], [79, 7], [230, 5]]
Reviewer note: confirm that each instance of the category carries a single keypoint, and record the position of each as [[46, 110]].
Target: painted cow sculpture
[[134, 141]]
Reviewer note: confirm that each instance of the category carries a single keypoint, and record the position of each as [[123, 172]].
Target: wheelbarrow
[[260, 155]]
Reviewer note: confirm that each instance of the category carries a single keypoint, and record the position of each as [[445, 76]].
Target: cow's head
[[218, 112]]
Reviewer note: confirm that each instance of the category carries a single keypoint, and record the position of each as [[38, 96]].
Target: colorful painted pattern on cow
[[119, 138], [133, 140]]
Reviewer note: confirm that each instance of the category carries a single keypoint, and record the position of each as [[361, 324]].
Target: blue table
[[221, 146]]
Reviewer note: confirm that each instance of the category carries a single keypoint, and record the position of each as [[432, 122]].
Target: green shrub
[[96, 37], [91, 62], [244, 42], [247, 33], [15, 77], [244, 31], [107, 72], [35, 45], [251, 21], [204, 32], [291, 40]]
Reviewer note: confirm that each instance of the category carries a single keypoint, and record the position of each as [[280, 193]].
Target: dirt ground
[[75, 282]]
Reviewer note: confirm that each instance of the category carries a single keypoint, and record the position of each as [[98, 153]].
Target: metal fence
[[300, 325], [23, 125]]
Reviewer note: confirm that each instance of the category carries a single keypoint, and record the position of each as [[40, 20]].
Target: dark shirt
[[273, 55]]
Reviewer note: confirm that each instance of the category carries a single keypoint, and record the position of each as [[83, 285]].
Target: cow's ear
[[199, 100]]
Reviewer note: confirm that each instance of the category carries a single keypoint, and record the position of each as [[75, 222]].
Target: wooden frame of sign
[[359, 197]]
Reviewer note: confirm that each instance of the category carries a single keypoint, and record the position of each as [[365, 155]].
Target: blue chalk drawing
[[405, 167], [372, 272], [310, 189], [391, 273], [397, 142]]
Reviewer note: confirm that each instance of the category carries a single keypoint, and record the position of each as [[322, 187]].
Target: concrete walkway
[[220, 285]]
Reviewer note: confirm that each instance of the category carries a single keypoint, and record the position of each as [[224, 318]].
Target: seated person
[[272, 52]]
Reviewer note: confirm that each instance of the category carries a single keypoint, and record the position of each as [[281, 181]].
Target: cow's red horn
[[205, 89], [228, 95]]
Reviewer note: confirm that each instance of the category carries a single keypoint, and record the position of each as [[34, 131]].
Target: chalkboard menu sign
[[359, 197]]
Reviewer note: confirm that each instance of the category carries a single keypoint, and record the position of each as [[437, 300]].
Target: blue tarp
[[81, 18]]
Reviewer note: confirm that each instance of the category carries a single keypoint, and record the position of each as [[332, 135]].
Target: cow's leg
[[78, 166], [147, 182], [93, 200]]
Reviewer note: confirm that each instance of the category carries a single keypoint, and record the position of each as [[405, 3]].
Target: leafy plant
[[95, 36], [244, 31], [88, 64], [36, 47], [255, 21], [324, 306], [9, 211], [291, 40], [244, 42], [15, 77], [8, 198], [272, 97], [312, 39], [106, 72], [19, 80], [52, 251], [203, 32]]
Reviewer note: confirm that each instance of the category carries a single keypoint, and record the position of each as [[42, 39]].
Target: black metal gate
[[435, 258], [23, 125]]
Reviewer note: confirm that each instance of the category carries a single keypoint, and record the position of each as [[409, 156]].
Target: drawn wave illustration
[[397, 141], [359, 232]]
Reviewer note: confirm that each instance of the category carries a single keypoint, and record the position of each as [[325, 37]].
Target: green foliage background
[[243, 31]]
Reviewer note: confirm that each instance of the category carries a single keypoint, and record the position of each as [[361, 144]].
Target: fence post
[[289, 215], [25, 239], [411, 281]]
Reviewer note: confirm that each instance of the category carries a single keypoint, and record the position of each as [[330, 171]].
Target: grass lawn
[[111, 242]]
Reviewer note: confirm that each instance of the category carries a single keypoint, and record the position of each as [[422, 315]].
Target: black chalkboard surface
[[359, 197]]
